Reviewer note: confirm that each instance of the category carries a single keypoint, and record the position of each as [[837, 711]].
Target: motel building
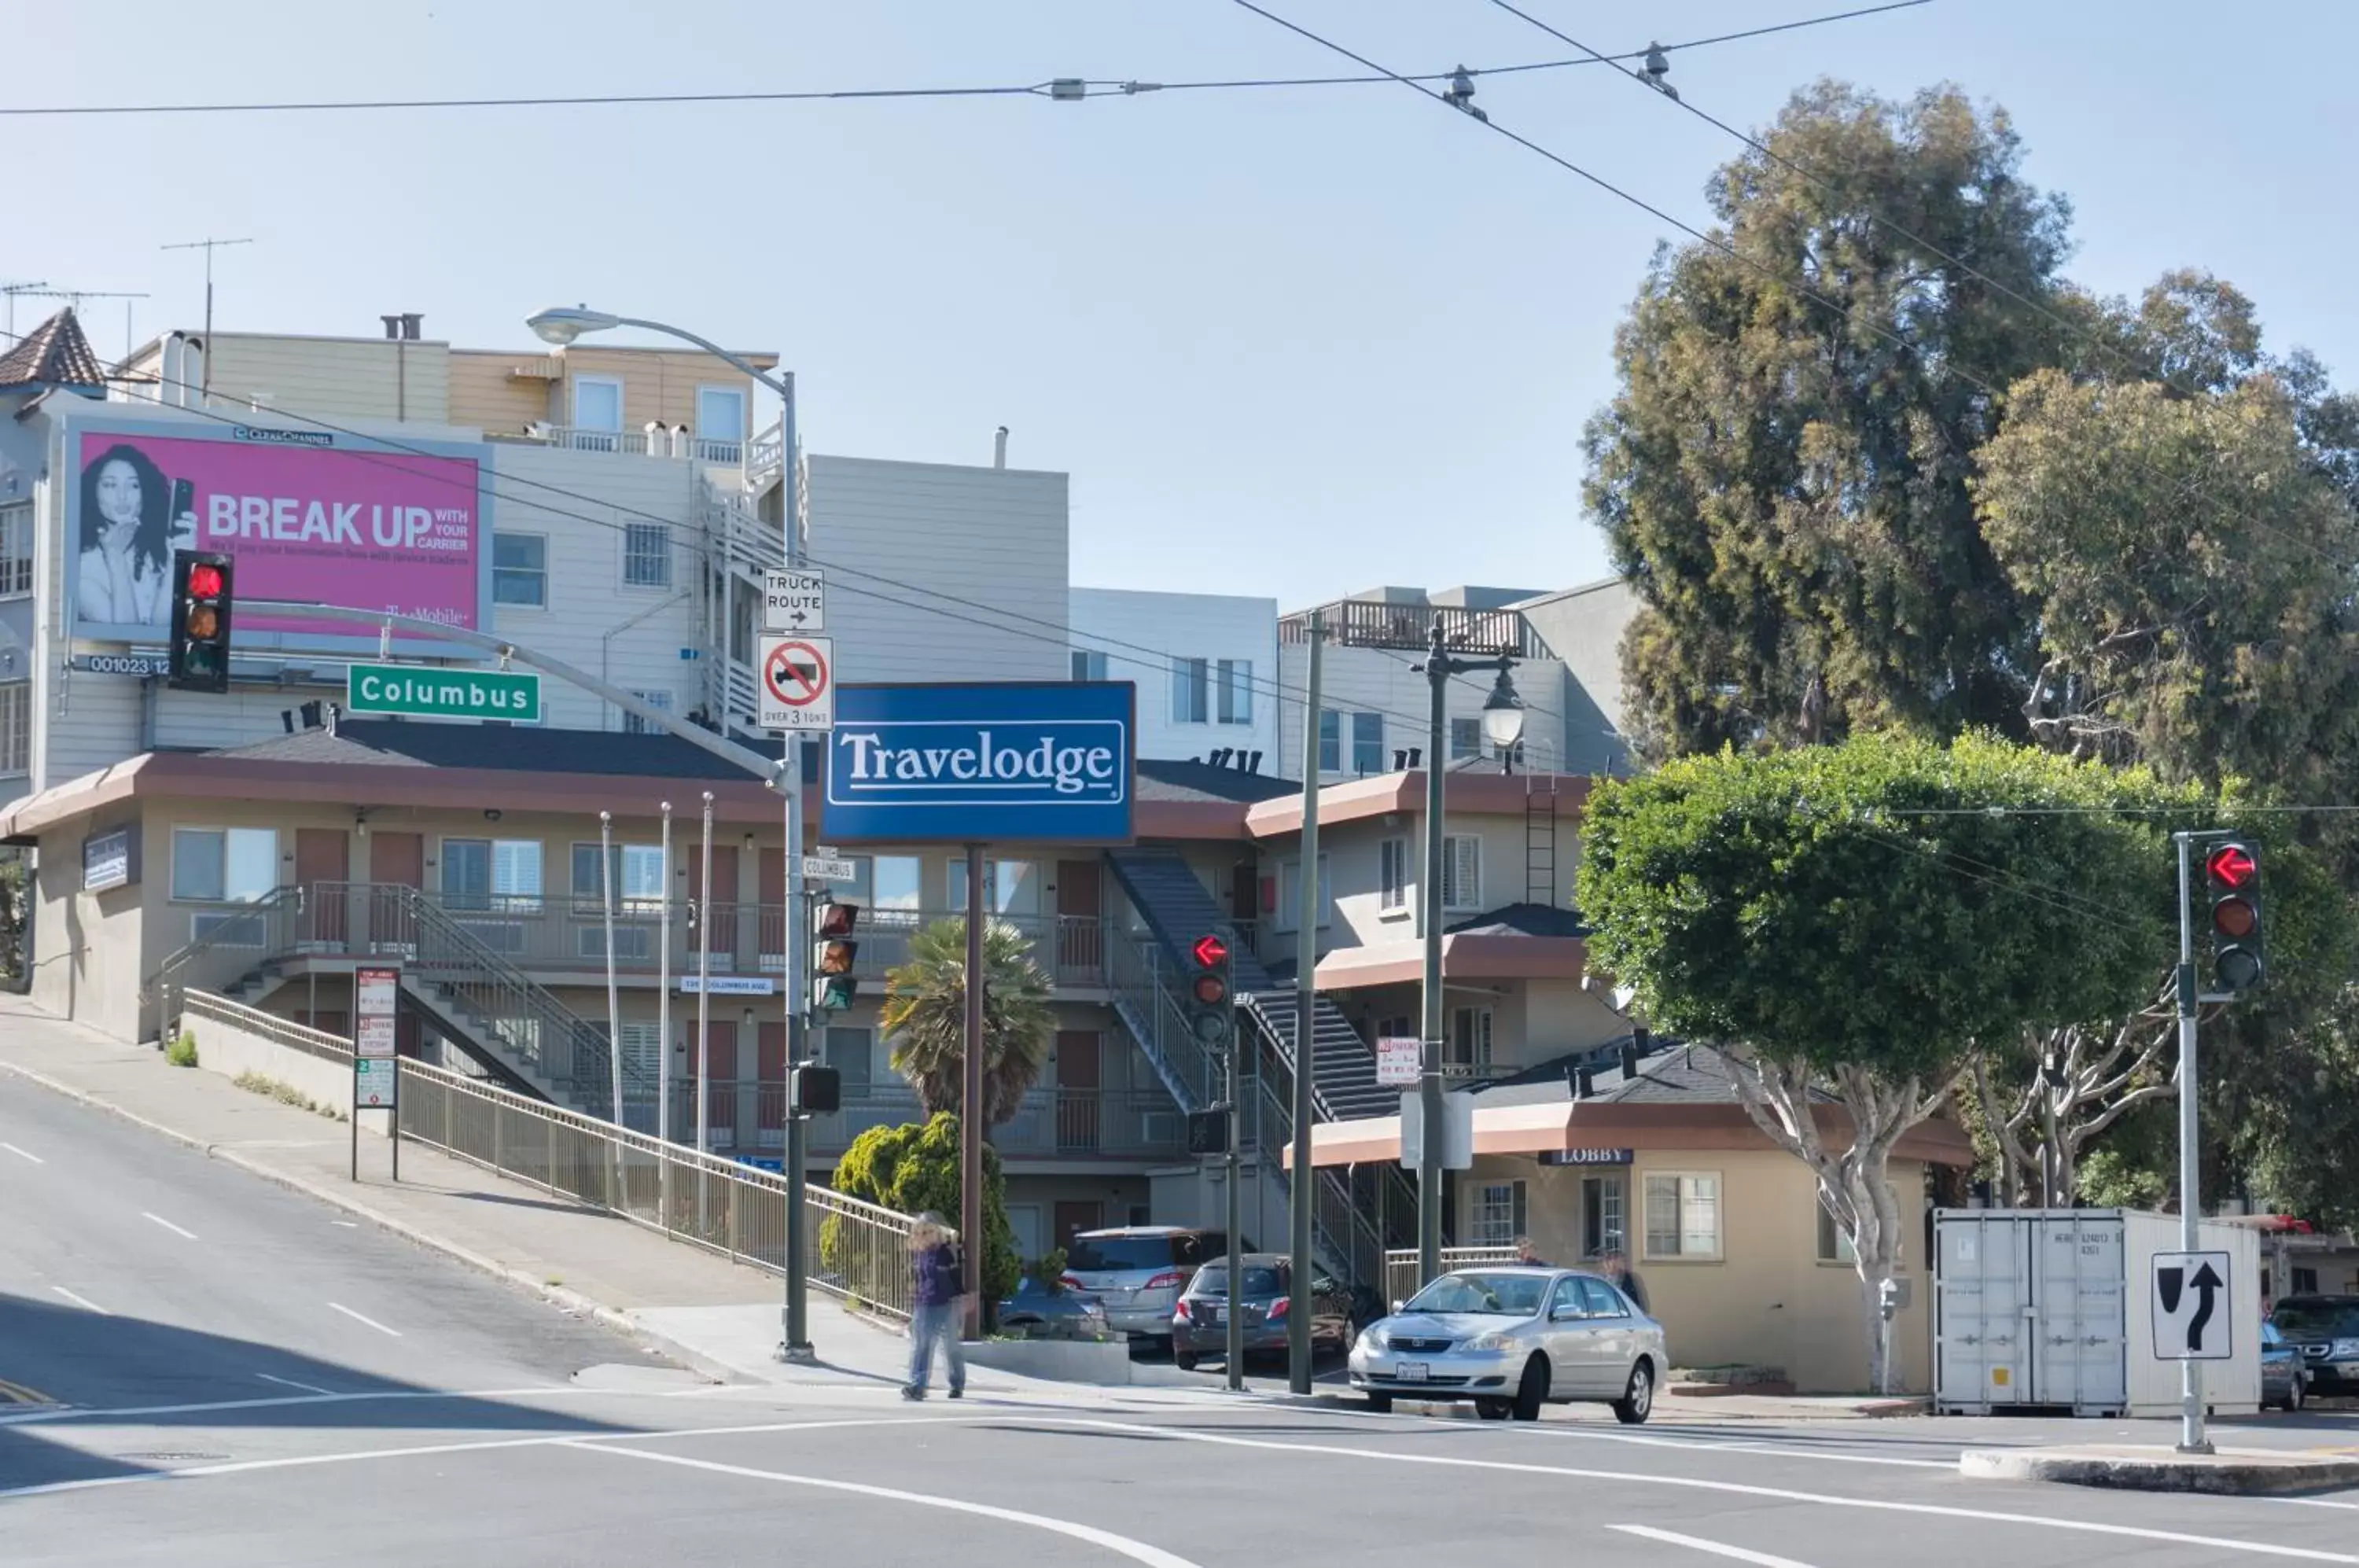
[[260, 875]]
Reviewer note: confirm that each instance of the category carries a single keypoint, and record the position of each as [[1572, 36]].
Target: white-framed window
[[660, 698], [1461, 871], [1683, 1215], [1465, 739], [1602, 1227], [598, 407], [1470, 1037], [637, 870], [16, 729], [1191, 691], [647, 555], [1331, 741], [1009, 886], [502, 873], [1400, 1026], [1367, 744], [520, 570], [15, 550], [1392, 876], [223, 865], [1236, 698], [899, 881], [720, 422], [1288, 915], [1499, 1214], [1089, 664], [1835, 1244]]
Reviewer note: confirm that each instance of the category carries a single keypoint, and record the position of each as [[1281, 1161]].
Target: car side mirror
[[1397, 1307]]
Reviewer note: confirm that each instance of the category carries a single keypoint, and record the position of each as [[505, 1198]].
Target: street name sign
[[794, 601], [822, 868], [442, 693], [1029, 761], [2194, 1315], [797, 683]]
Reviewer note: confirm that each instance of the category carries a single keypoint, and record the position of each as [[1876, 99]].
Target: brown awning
[[1558, 1125]]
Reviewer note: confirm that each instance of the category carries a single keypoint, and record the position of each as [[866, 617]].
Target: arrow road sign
[[797, 683], [2194, 1315], [794, 600]]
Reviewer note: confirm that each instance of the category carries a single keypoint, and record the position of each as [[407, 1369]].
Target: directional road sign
[[2194, 1318], [442, 693], [794, 600], [797, 683]]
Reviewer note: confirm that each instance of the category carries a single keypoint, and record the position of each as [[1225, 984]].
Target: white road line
[[2314, 1503], [345, 1225], [290, 1383], [1762, 1559], [168, 1225], [1740, 1447], [1136, 1551], [82, 1301], [276, 1402], [358, 1318], [23, 1153]]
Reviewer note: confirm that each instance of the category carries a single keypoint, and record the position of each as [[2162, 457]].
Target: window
[[1683, 1217], [1010, 887], [1331, 741], [492, 874], [1236, 691], [1835, 1245], [1288, 915], [15, 550], [1462, 872], [642, 1044], [1470, 1038], [223, 865], [900, 883], [15, 728], [598, 406], [1601, 1216], [1565, 1301], [520, 570], [1398, 1026], [658, 698], [1190, 685], [851, 1052], [1602, 1300], [720, 415], [1498, 1216], [1465, 739], [637, 870], [1089, 665], [1367, 742], [647, 555], [1391, 875]]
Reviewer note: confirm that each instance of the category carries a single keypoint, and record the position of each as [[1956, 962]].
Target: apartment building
[[1206, 667]]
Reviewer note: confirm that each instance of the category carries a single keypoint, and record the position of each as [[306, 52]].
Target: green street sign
[[442, 693]]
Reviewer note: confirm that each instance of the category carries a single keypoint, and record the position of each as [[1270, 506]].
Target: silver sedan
[[1513, 1339]]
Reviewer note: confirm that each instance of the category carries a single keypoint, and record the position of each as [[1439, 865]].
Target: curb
[[2237, 1473]]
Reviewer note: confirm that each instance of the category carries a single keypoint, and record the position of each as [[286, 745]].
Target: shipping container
[[2050, 1309]]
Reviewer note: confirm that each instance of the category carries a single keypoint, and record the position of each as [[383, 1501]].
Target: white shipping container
[[2050, 1308]]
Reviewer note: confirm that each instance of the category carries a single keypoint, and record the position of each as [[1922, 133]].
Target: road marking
[[168, 1225], [23, 1153], [1136, 1551], [82, 1301], [1760, 1558], [345, 1225], [1708, 1446], [17, 1394], [290, 1383], [356, 1317], [2314, 1503]]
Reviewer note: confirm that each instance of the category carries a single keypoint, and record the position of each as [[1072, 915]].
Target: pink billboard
[[302, 518]]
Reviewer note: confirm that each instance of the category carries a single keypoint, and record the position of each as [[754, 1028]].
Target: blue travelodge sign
[[1033, 761]]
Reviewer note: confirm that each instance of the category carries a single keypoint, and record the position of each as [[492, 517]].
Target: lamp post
[[1503, 726], [561, 325]]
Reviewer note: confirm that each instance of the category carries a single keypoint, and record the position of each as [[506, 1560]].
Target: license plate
[[1412, 1372]]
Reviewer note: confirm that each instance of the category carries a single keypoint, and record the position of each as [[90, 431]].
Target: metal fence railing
[[268, 1026], [1400, 1265], [858, 1252]]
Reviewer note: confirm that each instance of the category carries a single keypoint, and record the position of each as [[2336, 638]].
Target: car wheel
[[1184, 1361], [1638, 1401], [2296, 1397], [1532, 1392], [1494, 1409], [1382, 1404]]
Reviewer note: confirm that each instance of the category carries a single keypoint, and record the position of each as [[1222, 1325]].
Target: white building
[[1205, 665]]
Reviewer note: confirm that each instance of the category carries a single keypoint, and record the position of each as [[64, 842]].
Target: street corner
[[2228, 1472]]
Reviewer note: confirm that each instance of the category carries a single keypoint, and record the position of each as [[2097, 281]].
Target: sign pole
[[971, 1107], [663, 1035], [703, 926], [2191, 1438], [1300, 1189], [393, 1121], [797, 1346]]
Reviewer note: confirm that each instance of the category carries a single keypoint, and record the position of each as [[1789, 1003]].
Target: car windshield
[[1503, 1295], [2317, 1320], [1118, 1254], [1213, 1280]]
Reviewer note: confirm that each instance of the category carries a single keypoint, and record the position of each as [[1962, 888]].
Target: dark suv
[[2327, 1330]]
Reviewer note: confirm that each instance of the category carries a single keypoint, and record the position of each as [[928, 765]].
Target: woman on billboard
[[127, 540]]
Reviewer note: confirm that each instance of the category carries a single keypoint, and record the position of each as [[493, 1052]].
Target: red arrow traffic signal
[[1210, 950], [2231, 866]]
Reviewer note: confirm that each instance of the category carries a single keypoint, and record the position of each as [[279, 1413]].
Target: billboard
[[1017, 760], [310, 517]]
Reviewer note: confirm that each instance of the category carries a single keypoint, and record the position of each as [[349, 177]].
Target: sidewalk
[[720, 1317]]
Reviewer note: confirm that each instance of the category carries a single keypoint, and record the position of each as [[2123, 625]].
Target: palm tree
[[925, 1017]]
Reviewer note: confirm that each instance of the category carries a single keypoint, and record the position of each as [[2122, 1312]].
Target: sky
[[1292, 343]]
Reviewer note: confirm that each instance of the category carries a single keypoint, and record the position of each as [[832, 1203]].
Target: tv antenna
[[73, 298], [207, 245]]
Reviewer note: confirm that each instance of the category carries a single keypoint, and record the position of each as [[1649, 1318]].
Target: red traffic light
[[2234, 917], [204, 582], [1212, 990], [1209, 950], [2231, 866]]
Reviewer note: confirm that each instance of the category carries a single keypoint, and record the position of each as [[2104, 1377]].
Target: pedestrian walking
[[1528, 1255], [1615, 1266], [935, 1306]]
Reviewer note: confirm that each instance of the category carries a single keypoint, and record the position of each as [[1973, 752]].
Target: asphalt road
[[183, 1312]]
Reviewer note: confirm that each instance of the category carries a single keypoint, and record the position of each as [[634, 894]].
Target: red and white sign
[[377, 1002], [1399, 1060], [797, 683]]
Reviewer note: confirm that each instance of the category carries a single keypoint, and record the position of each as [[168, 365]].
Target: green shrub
[[182, 1052], [914, 1168]]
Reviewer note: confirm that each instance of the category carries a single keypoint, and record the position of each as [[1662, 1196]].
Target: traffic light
[[1210, 1013], [1208, 1131], [200, 606], [2234, 873], [833, 987], [814, 1090]]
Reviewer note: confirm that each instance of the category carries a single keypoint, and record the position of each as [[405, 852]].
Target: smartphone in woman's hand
[[184, 505]]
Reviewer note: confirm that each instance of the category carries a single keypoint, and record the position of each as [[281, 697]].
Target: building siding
[[1382, 682], [1141, 633], [1584, 627], [332, 378]]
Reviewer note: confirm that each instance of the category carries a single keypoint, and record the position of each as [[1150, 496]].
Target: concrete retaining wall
[[229, 1049]]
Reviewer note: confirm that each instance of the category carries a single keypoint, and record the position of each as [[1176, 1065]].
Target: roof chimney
[[392, 327], [1253, 762], [999, 448], [411, 323], [1630, 1057], [1584, 1083]]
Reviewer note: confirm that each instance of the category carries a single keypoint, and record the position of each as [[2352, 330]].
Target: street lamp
[[1503, 726], [560, 324]]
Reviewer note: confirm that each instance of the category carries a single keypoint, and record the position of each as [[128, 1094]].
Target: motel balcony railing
[[747, 1116]]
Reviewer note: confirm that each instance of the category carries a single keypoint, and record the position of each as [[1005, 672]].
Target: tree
[[924, 1018], [910, 1169], [1852, 921], [1783, 475]]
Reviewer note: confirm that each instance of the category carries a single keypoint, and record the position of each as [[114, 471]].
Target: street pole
[[613, 999], [702, 928], [971, 1107], [1300, 1191], [663, 1037], [797, 1346], [2191, 1439], [1429, 1084], [1232, 1358]]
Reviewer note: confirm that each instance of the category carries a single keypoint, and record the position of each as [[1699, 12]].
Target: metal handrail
[[239, 925], [1134, 976], [1400, 1265]]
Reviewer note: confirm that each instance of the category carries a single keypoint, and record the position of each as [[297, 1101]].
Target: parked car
[[2327, 1329], [1264, 1284], [1138, 1272], [1512, 1339], [2285, 1381], [1035, 1312]]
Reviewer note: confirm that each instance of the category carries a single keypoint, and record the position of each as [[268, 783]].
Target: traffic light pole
[[2191, 1438], [1301, 1190], [797, 1345], [1234, 1358]]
